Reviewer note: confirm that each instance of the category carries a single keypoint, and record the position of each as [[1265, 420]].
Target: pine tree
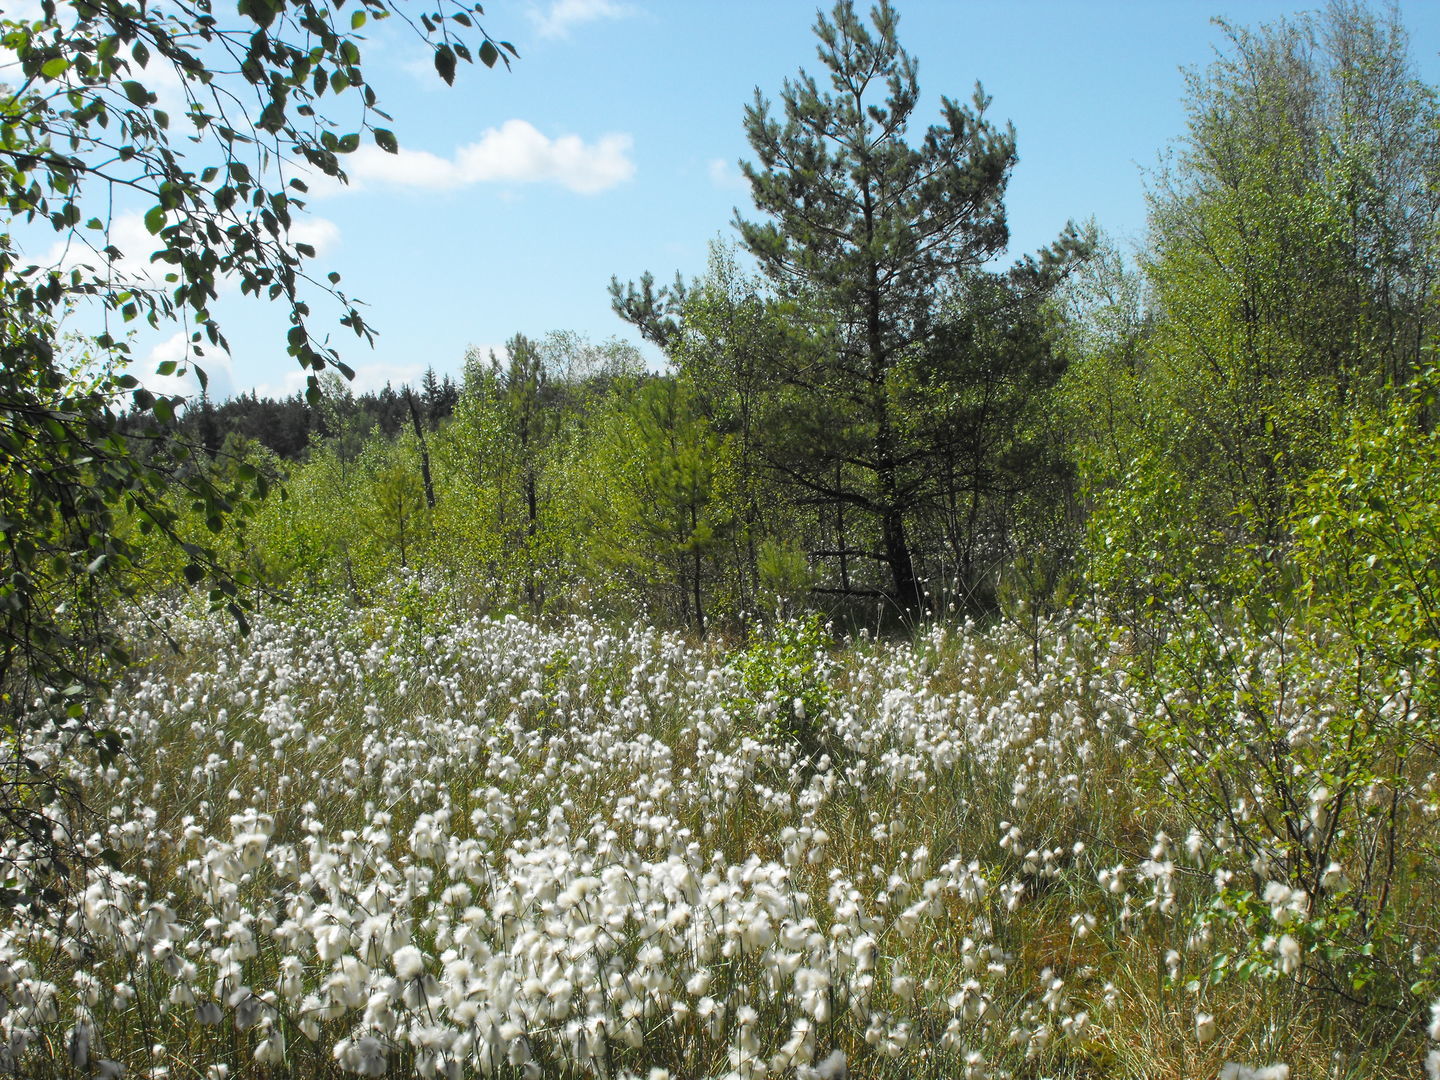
[[430, 394], [870, 230]]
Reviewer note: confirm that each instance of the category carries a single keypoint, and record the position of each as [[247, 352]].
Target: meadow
[[1119, 759], [407, 840]]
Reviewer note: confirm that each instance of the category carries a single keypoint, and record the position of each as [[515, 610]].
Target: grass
[[611, 863]]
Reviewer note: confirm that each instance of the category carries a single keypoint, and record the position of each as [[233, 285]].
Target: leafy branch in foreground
[[196, 131], [84, 124]]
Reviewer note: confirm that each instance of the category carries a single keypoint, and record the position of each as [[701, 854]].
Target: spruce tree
[[870, 230]]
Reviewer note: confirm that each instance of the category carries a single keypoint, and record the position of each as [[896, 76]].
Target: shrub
[[786, 678]]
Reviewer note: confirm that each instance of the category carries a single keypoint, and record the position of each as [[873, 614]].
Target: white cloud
[[290, 383], [722, 176], [320, 233], [515, 152], [177, 348], [408, 168], [370, 378], [558, 17]]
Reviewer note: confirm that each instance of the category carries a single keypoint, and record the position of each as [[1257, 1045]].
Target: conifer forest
[[916, 660]]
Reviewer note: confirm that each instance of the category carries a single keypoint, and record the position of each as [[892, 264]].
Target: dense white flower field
[[349, 844]]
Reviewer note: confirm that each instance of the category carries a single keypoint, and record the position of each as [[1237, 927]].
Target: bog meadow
[[923, 662]]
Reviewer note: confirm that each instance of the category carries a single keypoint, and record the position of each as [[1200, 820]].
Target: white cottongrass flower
[[1234, 1071], [1205, 1028], [562, 929], [364, 1056], [834, 1067], [408, 962], [1288, 951], [271, 1049]]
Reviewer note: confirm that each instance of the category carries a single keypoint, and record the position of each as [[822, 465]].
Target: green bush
[[1293, 722], [786, 679]]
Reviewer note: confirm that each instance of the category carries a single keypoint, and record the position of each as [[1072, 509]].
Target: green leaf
[[155, 220], [488, 54], [55, 67], [272, 117], [445, 63], [357, 20], [137, 93], [385, 139]]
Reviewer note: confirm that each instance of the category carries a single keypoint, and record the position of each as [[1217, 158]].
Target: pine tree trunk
[[424, 451], [897, 556], [695, 581], [532, 528]]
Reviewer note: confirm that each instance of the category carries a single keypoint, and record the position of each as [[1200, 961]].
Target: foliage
[[1294, 725], [729, 337], [79, 509], [85, 140], [682, 461], [984, 457], [1368, 538], [1291, 269], [82, 126], [786, 674], [1260, 474], [782, 575]]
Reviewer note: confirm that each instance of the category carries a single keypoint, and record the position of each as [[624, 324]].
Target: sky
[[611, 146]]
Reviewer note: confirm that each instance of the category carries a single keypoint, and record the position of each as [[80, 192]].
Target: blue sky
[[611, 148]]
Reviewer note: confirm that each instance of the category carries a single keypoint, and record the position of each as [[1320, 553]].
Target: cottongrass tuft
[[1233, 1071], [521, 851]]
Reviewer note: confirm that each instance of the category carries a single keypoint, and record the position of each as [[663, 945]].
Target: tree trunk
[[840, 534], [532, 514], [424, 451], [892, 520], [897, 557], [695, 581]]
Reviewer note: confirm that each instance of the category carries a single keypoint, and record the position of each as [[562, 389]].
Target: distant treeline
[[288, 426]]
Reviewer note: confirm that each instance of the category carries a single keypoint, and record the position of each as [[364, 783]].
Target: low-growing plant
[[786, 675]]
